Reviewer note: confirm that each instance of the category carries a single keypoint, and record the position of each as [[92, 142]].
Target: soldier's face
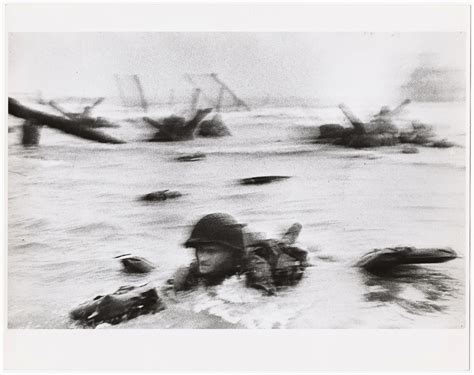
[[214, 259]]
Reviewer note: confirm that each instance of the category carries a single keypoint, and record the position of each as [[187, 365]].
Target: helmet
[[217, 228]]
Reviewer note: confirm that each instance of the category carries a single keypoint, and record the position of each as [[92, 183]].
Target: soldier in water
[[223, 249]]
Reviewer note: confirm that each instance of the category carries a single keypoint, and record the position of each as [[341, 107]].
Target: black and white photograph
[[237, 180]]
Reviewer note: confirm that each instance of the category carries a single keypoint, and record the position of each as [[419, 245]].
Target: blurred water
[[73, 205]]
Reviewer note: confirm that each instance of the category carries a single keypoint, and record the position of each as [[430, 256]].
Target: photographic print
[[237, 187], [237, 180]]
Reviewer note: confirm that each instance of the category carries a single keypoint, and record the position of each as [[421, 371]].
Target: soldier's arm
[[184, 278]]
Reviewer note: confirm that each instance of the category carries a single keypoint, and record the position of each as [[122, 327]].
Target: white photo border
[[237, 350]]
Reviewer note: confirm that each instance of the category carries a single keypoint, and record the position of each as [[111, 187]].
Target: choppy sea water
[[73, 206]]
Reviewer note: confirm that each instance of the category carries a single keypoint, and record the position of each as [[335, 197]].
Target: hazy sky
[[335, 66]]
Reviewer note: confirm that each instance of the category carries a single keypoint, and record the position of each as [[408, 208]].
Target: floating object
[[191, 157], [444, 143], [260, 180], [213, 127], [408, 149], [135, 264], [380, 260], [126, 303], [69, 126], [161, 195]]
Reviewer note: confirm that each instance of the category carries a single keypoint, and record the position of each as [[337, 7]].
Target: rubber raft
[[380, 260]]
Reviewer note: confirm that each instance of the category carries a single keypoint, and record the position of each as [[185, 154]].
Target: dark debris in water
[[443, 143], [191, 157], [161, 195], [260, 180], [126, 303], [134, 264], [327, 258]]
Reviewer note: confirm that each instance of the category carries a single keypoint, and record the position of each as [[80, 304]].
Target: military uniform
[[267, 265]]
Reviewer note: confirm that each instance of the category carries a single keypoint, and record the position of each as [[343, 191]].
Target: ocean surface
[[73, 206]]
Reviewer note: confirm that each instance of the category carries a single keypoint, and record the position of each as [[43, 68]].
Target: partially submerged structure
[[383, 260], [36, 119], [175, 128], [379, 131], [214, 127], [85, 116], [128, 86]]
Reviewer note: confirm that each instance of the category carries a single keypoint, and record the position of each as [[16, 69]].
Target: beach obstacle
[[66, 125]]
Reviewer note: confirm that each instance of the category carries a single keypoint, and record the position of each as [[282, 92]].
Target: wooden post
[[192, 83], [398, 109], [356, 123], [55, 105], [120, 89], [66, 125], [237, 100], [31, 132], [195, 99], [142, 94], [219, 99], [97, 102], [192, 124]]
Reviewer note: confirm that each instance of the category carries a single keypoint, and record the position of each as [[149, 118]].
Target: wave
[[32, 246], [93, 227]]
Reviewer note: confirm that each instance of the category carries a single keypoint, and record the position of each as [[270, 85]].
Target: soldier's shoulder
[[185, 277]]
